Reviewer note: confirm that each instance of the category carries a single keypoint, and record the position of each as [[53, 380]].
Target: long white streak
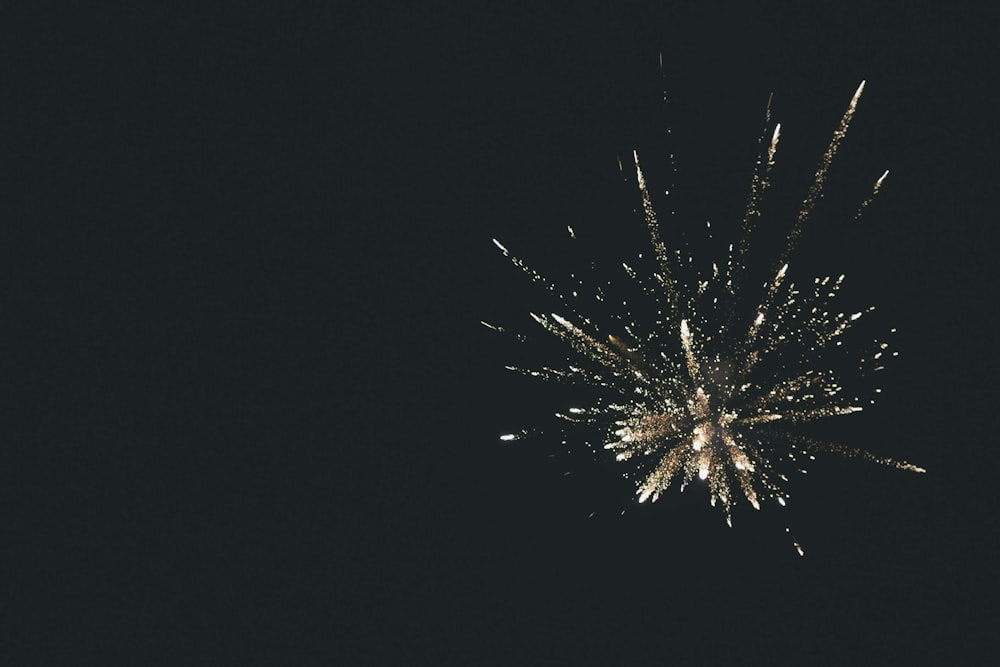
[[666, 279], [816, 190]]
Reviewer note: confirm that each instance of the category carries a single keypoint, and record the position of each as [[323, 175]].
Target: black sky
[[251, 417]]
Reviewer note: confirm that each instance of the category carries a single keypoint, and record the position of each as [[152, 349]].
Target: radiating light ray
[[816, 190], [692, 393]]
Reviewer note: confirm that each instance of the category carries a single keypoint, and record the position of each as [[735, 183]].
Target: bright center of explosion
[[711, 436]]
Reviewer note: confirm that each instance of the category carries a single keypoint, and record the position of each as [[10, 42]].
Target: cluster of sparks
[[698, 393]]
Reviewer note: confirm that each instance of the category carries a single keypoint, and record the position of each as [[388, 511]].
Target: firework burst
[[699, 392]]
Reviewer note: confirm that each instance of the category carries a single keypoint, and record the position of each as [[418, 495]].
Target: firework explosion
[[699, 392]]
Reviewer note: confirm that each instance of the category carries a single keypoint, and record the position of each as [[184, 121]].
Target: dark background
[[250, 416]]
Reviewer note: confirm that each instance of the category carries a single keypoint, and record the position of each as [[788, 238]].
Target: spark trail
[[695, 394]]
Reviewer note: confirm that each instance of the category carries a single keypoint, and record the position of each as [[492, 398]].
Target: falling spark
[[693, 393], [875, 189]]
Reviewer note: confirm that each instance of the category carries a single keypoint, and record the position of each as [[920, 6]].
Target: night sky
[[250, 415]]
